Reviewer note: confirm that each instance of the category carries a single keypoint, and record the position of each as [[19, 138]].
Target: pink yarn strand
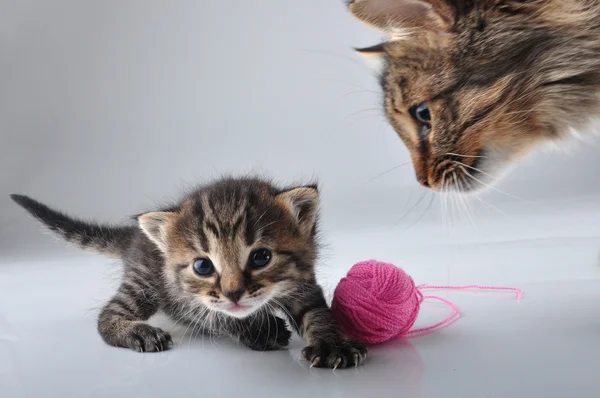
[[455, 310], [455, 315], [518, 292]]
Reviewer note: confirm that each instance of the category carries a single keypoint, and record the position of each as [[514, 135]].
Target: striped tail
[[107, 240]]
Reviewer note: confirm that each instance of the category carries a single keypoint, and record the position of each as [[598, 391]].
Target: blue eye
[[204, 267], [260, 258], [422, 114]]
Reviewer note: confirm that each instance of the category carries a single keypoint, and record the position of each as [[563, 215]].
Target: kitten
[[471, 86], [222, 261]]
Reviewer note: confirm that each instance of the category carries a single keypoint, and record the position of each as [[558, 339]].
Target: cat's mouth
[[464, 174]]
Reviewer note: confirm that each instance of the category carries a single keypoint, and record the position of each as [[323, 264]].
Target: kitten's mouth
[[238, 308], [245, 307]]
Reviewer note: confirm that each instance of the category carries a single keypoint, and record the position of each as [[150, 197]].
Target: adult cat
[[471, 86]]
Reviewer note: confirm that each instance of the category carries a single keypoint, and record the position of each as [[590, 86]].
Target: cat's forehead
[[413, 84]]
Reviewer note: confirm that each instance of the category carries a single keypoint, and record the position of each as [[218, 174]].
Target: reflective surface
[[545, 345]]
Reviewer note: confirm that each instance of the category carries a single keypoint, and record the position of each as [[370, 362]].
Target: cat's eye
[[260, 258], [422, 114], [203, 267]]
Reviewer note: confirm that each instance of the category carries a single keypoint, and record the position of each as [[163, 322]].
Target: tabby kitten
[[473, 85], [222, 261]]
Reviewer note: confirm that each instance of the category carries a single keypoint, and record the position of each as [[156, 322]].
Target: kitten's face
[[470, 87], [237, 245]]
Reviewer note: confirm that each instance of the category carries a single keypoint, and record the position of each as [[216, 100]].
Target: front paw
[[267, 334], [145, 338], [335, 354]]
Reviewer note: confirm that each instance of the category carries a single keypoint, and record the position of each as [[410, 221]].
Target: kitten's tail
[[107, 240]]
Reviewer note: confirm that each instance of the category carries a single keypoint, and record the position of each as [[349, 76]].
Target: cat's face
[[237, 245], [473, 86]]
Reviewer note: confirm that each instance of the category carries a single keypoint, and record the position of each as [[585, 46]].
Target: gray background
[[108, 107]]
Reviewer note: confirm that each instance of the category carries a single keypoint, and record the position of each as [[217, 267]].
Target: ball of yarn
[[376, 302]]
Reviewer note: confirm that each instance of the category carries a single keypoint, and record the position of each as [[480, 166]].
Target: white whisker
[[410, 210], [492, 187], [465, 156]]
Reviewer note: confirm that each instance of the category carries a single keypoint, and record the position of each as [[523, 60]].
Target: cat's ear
[[302, 203], [155, 226], [397, 16], [374, 56]]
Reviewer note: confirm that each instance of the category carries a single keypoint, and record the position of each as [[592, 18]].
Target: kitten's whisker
[[333, 79], [262, 320], [287, 312], [339, 56], [268, 328], [196, 317], [362, 111], [358, 92], [181, 317], [276, 323], [192, 332], [207, 320]]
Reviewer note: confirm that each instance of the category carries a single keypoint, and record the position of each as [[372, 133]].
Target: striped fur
[[107, 240], [225, 222], [499, 77]]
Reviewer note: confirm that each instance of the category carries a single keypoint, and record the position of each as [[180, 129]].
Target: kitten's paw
[[145, 338], [273, 335], [335, 354]]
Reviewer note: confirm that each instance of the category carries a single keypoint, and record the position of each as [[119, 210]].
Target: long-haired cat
[[471, 86], [225, 259]]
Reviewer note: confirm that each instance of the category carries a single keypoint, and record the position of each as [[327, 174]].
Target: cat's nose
[[234, 295], [423, 180]]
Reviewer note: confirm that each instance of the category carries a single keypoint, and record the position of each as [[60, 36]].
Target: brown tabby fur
[[224, 223], [499, 77]]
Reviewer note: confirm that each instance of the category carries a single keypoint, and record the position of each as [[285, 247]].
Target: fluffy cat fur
[[497, 78], [225, 223]]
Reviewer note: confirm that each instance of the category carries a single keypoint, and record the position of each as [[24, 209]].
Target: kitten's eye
[[260, 258], [422, 113], [204, 267]]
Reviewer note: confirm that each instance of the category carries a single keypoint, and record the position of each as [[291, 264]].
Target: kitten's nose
[[234, 295]]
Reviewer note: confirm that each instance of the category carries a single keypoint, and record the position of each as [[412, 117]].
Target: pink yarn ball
[[376, 302]]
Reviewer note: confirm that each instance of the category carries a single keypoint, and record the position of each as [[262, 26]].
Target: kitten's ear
[[394, 15], [155, 226], [303, 203]]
